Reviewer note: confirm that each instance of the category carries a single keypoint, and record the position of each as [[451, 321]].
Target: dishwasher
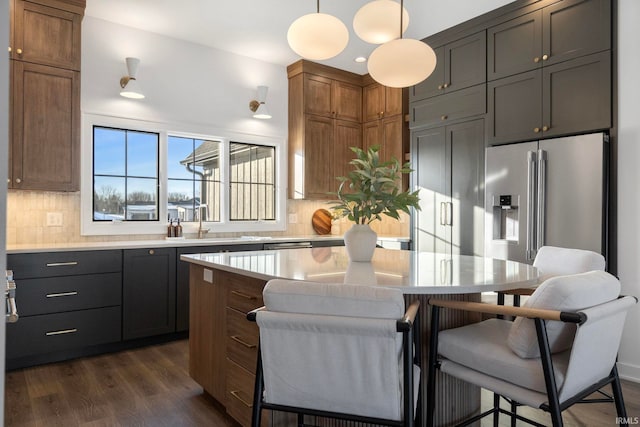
[[287, 245]]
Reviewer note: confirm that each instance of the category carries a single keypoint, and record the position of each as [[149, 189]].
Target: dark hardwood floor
[[151, 386]]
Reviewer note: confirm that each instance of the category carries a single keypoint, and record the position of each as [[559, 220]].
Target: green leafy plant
[[374, 189]]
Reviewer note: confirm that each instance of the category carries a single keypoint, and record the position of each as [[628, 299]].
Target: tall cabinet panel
[[450, 175]]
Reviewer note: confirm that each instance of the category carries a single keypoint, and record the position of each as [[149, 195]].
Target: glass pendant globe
[[318, 36], [377, 22], [401, 63]]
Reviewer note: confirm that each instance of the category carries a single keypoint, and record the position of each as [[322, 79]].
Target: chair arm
[[409, 317], [531, 313], [251, 316]]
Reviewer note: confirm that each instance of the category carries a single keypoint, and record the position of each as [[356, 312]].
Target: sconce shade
[[318, 36], [377, 21], [401, 63], [128, 83], [258, 105]]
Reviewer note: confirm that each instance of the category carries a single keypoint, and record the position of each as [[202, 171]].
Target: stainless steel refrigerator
[[550, 192]]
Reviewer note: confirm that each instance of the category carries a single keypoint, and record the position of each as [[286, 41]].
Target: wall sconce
[[258, 106], [128, 83]]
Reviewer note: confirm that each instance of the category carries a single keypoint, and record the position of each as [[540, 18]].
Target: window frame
[[89, 227]]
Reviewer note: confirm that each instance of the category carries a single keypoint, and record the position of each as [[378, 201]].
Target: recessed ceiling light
[[360, 59]]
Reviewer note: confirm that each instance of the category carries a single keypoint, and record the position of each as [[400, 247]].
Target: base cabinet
[[148, 292]]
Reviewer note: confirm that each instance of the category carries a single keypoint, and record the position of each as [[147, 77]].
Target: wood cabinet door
[[45, 35], [574, 28], [432, 85], [515, 108], [45, 125], [465, 62], [319, 157], [347, 101], [347, 135], [432, 177], [514, 46], [371, 134], [465, 141], [373, 101], [392, 101], [577, 96], [392, 142], [317, 95], [148, 292]]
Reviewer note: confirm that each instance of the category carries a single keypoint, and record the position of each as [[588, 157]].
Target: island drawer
[[60, 294], [53, 264], [239, 393], [244, 293], [49, 333], [242, 340]]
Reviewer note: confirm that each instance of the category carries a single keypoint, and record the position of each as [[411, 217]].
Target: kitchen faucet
[[201, 231]]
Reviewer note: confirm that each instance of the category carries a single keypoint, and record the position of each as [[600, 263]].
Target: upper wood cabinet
[[45, 95], [332, 98], [553, 34], [45, 35], [380, 101], [569, 97], [459, 64]]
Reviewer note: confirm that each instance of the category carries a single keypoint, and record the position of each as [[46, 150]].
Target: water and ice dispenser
[[505, 217]]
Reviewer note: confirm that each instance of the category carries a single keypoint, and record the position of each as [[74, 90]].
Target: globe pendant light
[[377, 21], [401, 62], [318, 36]]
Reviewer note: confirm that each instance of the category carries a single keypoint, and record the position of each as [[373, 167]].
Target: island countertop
[[413, 272]]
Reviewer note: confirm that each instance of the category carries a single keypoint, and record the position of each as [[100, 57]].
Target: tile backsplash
[[27, 220]]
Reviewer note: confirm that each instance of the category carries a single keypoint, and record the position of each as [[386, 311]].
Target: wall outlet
[[293, 218], [54, 219]]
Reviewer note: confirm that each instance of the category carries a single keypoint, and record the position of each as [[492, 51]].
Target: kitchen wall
[[628, 157]]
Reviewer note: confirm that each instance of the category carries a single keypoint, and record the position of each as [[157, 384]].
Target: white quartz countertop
[[413, 272], [210, 241]]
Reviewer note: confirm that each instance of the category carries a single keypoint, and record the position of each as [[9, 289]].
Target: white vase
[[360, 241]]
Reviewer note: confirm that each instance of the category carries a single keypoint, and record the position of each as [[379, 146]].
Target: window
[[125, 177], [143, 174]]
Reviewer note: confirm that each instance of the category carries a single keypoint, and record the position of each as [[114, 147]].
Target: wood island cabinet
[[45, 94]]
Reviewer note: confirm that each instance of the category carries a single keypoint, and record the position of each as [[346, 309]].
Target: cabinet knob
[[381, 113], [536, 130], [9, 49], [151, 252], [446, 85], [536, 59], [8, 180], [18, 180], [545, 57], [443, 117], [440, 87], [545, 128], [19, 51]]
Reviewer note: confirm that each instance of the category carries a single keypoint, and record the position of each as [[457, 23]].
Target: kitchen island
[[225, 286]]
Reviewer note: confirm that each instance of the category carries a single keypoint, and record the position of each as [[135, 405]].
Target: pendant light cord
[[401, 15], [318, 6]]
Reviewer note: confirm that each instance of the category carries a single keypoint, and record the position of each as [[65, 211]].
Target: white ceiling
[[258, 28]]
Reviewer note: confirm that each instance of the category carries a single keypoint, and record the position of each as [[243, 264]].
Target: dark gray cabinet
[[569, 97], [562, 31], [448, 108], [459, 64], [148, 292], [182, 277], [450, 174], [67, 301]]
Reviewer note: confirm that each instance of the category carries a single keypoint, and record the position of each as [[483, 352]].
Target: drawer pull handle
[[61, 264], [62, 332], [62, 294], [240, 341], [236, 394], [243, 295]]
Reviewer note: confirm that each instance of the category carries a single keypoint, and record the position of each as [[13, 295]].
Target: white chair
[[554, 261], [337, 351], [561, 348]]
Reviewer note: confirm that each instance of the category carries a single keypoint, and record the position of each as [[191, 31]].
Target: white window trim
[[99, 228]]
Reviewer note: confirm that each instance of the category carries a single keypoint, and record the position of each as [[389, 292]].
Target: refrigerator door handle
[[531, 191], [443, 213], [542, 196], [450, 213]]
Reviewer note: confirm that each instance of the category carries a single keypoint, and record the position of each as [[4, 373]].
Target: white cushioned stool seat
[[553, 261]]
